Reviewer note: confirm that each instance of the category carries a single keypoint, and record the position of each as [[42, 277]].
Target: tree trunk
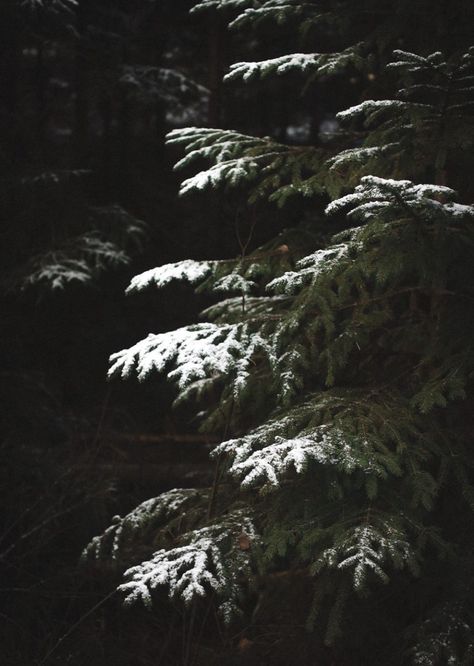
[[81, 108], [216, 49], [10, 77]]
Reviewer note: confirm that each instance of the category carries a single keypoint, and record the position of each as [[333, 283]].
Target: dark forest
[[237, 313]]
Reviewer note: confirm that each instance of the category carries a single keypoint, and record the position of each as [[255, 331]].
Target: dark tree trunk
[[81, 108], [41, 110], [105, 110], [124, 128], [10, 76], [216, 67]]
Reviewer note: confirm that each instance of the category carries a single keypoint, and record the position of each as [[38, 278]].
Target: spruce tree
[[335, 365]]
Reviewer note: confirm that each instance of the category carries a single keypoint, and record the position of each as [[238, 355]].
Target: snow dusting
[[186, 271], [196, 352]]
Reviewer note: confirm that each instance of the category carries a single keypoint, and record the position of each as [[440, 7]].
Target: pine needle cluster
[[342, 368]]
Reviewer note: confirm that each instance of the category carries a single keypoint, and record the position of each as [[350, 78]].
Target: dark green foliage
[[338, 374]]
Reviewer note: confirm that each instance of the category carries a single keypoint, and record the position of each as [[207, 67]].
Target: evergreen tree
[[335, 365]]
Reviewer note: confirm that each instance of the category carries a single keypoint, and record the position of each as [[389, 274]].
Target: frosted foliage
[[270, 452], [320, 64], [371, 106], [365, 550], [281, 65], [437, 100], [234, 282], [151, 512], [460, 211], [231, 172], [319, 260], [244, 364], [186, 271], [213, 144], [359, 155], [276, 11], [223, 4], [413, 62], [237, 158], [209, 561], [50, 5], [78, 261], [196, 352], [58, 272], [311, 266], [376, 196]]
